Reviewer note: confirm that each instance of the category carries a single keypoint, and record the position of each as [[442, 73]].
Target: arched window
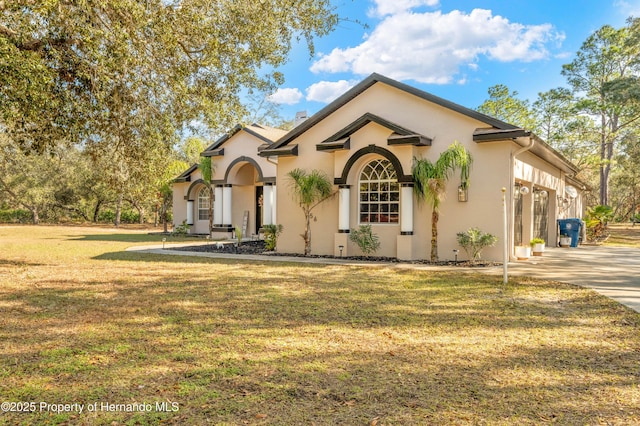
[[379, 193], [203, 203]]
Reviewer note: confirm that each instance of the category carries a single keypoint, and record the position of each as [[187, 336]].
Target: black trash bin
[[571, 227]]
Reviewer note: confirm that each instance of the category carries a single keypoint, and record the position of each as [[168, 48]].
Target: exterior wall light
[[463, 193]]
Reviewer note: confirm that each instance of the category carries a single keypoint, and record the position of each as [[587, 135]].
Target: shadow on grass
[[231, 341], [130, 238], [133, 256], [18, 263]]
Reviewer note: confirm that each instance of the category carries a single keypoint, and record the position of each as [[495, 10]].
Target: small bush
[[129, 216], [15, 216], [364, 237], [126, 216], [181, 230], [597, 219], [107, 216], [474, 241], [239, 235], [271, 234]]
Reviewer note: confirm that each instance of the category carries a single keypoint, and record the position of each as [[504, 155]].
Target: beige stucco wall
[[242, 144], [238, 167], [491, 172], [488, 176]]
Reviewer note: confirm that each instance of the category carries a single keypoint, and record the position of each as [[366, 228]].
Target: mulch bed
[[258, 247]]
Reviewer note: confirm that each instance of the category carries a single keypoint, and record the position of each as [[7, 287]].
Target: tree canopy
[[141, 69]]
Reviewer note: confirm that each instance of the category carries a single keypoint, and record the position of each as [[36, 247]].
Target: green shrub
[[126, 216], [181, 230], [107, 216], [15, 216], [596, 220], [271, 234], [364, 237], [129, 216], [474, 241], [239, 235]]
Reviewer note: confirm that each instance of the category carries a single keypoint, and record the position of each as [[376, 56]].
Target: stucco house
[[366, 141], [243, 185]]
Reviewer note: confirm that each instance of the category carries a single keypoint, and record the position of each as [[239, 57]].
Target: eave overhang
[[186, 175], [285, 151], [330, 146], [493, 135], [213, 153], [521, 137], [415, 140], [400, 135]]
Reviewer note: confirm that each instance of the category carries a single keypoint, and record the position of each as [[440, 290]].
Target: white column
[[226, 205], [267, 204], [343, 208], [190, 212], [406, 209], [217, 205], [274, 205]]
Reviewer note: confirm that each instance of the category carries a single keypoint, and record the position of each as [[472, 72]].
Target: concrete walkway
[[611, 271]]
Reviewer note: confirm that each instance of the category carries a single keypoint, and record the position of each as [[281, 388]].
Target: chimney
[[301, 116]]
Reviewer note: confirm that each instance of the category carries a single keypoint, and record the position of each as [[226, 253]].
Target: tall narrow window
[[379, 193], [517, 215], [203, 204], [540, 213]]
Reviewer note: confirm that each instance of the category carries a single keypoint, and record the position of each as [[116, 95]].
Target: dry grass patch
[[624, 235], [233, 342]]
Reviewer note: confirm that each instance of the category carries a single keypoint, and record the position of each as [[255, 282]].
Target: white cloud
[[286, 96], [392, 7], [627, 8], [433, 47], [327, 91]]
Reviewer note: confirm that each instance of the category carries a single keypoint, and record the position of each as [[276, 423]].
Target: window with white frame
[[379, 193], [203, 203]]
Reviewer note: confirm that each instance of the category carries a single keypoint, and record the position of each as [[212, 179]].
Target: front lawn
[[232, 342]]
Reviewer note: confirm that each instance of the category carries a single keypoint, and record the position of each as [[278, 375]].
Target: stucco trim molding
[[245, 159], [193, 185], [373, 149]]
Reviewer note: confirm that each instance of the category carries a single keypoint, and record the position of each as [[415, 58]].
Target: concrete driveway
[[611, 271]]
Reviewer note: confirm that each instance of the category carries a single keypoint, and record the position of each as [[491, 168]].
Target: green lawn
[[232, 342]]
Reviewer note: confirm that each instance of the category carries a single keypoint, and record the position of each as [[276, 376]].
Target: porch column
[[343, 208], [217, 206], [267, 204], [274, 205], [406, 209], [190, 212], [227, 219]]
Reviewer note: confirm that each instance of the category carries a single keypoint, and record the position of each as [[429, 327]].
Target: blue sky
[[453, 49]]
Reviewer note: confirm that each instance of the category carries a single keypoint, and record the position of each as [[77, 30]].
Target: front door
[[259, 203]]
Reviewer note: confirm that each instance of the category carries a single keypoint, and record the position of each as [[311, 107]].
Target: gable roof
[[400, 135], [265, 133], [367, 83], [186, 175]]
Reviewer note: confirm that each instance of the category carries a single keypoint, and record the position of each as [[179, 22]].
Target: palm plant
[[430, 180], [309, 190]]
